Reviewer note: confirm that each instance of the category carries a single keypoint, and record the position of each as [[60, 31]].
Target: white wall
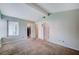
[[64, 28], [3, 28], [64, 33], [33, 30]]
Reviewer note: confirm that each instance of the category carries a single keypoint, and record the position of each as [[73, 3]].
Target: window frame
[[9, 30]]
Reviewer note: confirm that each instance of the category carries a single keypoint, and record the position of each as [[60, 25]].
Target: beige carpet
[[35, 47]]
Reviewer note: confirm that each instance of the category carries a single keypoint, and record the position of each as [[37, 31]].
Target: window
[[13, 28], [3, 28]]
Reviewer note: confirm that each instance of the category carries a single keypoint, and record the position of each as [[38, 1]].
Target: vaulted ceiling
[[34, 12]]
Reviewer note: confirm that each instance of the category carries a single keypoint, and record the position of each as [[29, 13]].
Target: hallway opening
[[28, 30]]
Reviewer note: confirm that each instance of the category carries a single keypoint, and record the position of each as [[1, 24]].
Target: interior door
[[36, 31], [46, 33]]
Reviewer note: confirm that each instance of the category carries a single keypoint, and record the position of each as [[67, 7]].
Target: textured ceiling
[[26, 12], [20, 11], [59, 7]]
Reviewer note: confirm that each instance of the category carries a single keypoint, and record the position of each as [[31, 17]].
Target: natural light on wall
[[13, 28]]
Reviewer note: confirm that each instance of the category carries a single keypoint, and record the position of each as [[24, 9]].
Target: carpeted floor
[[35, 47]]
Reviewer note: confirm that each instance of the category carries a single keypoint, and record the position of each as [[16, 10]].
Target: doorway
[[45, 31], [42, 32], [28, 32]]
